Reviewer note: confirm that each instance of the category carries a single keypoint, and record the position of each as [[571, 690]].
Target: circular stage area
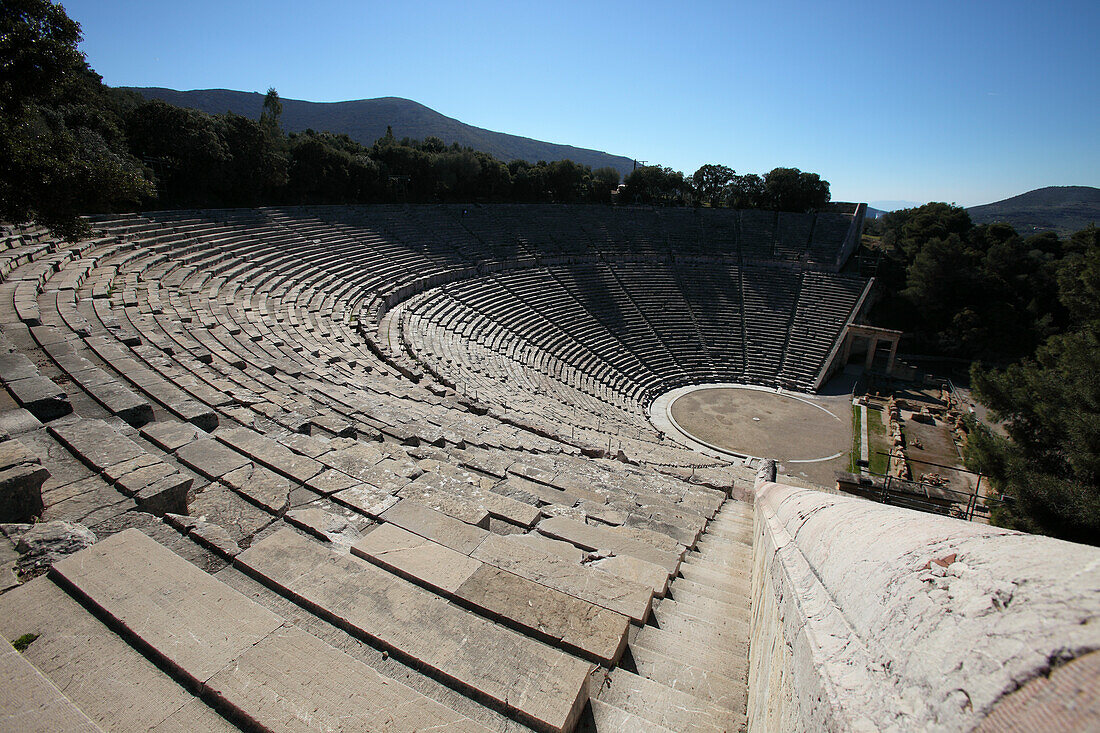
[[751, 421]]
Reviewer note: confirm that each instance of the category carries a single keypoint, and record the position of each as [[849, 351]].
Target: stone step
[[721, 544], [734, 594], [679, 711], [706, 684], [598, 538], [31, 702], [591, 584], [669, 613], [21, 477], [733, 524], [740, 566], [741, 562], [523, 676], [704, 634], [261, 670], [724, 577], [516, 556], [608, 718], [155, 486], [732, 606], [721, 538], [555, 617], [732, 663], [76, 650], [210, 458], [730, 518], [636, 571], [270, 454], [733, 518], [40, 396]]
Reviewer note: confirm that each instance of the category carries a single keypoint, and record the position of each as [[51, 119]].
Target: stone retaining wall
[[872, 617]]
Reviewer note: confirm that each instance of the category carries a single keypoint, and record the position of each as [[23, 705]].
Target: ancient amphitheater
[[394, 468]]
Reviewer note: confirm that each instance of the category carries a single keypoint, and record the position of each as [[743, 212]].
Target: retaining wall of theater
[[872, 617]]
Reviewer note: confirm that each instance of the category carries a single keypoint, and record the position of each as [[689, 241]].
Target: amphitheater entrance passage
[[810, 436], [876, 347]]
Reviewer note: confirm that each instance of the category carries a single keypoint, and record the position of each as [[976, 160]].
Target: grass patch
[[24, 641], [877, 441], [857, 432]]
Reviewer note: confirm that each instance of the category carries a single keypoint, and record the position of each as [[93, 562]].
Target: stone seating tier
[[221, 378]]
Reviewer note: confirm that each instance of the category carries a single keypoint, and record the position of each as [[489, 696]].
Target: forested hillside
[[1061, 209], [366, 120], [1026, 310]]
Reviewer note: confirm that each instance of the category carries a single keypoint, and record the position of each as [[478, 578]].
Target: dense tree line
[[781, 189], [961, 290], [1026, 311], [70, 145], [62, 146]]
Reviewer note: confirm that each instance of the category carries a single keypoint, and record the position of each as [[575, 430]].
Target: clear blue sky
[[966, 102]]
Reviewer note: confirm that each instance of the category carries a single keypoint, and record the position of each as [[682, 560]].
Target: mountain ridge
[[365, 120], [1063, 209]]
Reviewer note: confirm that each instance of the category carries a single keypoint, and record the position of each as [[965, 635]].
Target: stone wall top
[[944, 617]]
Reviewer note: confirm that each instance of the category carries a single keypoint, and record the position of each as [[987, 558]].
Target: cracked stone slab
[[542, 685]]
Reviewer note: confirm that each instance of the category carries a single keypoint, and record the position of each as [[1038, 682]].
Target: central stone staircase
[[687, 670]]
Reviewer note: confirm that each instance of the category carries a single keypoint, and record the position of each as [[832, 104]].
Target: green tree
[[789, 189], [654, 184], [1051, 408], [185, 150], [711, 183], [746, 192], [604, 182], [270, 114], [568, 181], [62, 153], [1051, 469]]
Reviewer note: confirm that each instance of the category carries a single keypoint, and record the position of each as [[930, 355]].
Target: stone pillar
[[872, 347], [847, 350], [893, 354]]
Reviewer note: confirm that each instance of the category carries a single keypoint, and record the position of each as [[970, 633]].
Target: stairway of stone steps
[[687, 670]]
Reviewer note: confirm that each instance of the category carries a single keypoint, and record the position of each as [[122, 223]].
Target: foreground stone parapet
[[867, 616]]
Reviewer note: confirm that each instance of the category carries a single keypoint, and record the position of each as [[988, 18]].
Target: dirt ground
[[809, 436], [933, 443]]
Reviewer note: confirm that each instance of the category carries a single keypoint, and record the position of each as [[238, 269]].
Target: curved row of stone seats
[[493, 370], [829, 229], [242, 326], [821, 311], [533, 392], [456, 352], [632, 328], [504, 232]]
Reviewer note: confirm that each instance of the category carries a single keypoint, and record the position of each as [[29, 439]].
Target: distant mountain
[[1063, 209], [365, 120]]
